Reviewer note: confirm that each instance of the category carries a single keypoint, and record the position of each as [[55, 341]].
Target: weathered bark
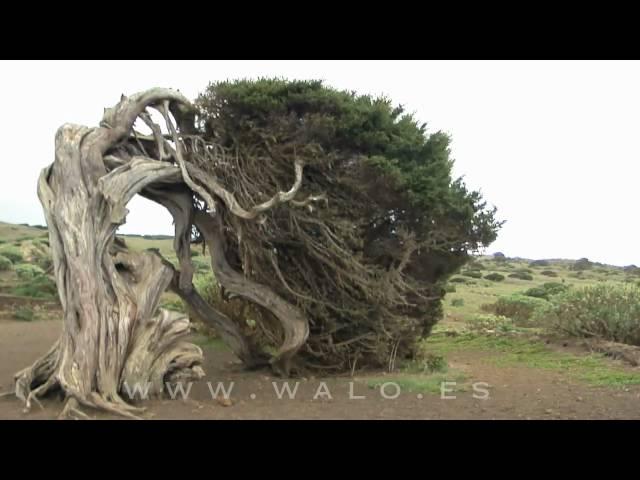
[[179, 203], [112, 334], [294, 324]]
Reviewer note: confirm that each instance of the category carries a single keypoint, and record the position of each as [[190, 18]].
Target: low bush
[[12, 253], [521, 276], [494, 277], [26, 271], [609, 310], [490, 323], [472, 273], [549, 273], [457, 302], [457, 280], [24, 314], [581, 264], [539, 263], [39, 287], [523, 270], [519, 308], [5, 263], [42, 257], [546, 290], [435, 364]]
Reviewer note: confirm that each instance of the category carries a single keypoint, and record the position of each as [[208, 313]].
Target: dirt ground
[[513, 392]]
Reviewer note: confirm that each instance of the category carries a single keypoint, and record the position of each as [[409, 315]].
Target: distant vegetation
[[586, 299], [5, 263], [13, 253], [494, 277]]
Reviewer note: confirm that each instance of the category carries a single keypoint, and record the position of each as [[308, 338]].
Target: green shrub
[[549, 273], [546, 290], [539, 263], [537, 292], [457, 302], [457, 280], [195, 253], [472, 273], [494, 277], [12, 253], [524, 270], [5, 263], [519, 308], [521, 276], [42, 258], [581, 264], [201, 265], [39, 287], [435, 364], [24, 314], [2, 241], [608, 310], [490, 323], [448, 288], [26, 271], [554, 288]]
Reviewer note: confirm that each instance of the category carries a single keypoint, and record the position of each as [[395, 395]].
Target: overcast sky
[[554, 145]]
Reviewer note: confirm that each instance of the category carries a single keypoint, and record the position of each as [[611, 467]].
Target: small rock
[[548, 411], [580, 399], [225, 402]]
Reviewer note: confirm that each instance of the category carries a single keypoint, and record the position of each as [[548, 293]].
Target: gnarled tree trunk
[[112, 333]]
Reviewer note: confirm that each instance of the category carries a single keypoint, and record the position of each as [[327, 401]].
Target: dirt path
[[514, 392]]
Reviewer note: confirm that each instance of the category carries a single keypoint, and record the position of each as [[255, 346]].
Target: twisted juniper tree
[[334, 215]]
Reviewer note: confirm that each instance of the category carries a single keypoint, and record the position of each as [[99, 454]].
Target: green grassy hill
[[471, 293]]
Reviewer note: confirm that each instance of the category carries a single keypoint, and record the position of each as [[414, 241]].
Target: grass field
[[476, 292]]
